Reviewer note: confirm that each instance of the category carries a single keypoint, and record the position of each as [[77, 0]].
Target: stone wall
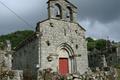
[[11, 75], [18, 75], [5, 59], [26, 59], [52, 33], [57, 32], [6, 73]]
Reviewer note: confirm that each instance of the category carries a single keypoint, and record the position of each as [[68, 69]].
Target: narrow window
[[48, 43], [64, 31], [67, 13], [76, 46]]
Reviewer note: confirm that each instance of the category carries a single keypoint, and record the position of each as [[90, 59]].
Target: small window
[[67, 13], [76, 31], [76, 46], [64, 31], [51, 25], [48, 43]]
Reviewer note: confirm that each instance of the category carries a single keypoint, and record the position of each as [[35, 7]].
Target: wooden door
[[63, 66]]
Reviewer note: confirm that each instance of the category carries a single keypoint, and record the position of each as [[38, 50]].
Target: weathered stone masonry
[[58, 43], [63, 32]]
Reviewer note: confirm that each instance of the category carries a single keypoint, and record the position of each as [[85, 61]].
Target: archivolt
[[67, 47]]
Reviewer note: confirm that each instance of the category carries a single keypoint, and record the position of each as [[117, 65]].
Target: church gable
[[54, 23], [60, 26]]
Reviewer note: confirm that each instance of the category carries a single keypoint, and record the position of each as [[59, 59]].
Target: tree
[[89, 39], [15, 37], [100, 44], [91, 43]]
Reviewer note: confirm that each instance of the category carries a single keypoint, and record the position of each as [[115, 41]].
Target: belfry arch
[[69, 14], [66, 59], [57, 11]]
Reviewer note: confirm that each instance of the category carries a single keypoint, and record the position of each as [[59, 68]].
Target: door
[[63, 66]]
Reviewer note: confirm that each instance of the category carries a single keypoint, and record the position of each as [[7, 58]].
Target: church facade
[[58, 43]]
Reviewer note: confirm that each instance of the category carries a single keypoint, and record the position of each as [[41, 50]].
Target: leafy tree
[[91, 43], [100, 44], [91, 46], [89, 39], [15, 37]]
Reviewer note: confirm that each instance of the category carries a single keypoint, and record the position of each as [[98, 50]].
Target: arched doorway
[[66, 60]]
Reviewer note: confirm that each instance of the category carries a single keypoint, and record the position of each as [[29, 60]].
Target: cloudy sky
[[101, 18]]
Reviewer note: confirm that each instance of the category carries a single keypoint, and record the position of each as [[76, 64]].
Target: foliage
[[89, 39], [91, 46], [18, 36], [99, 44], [15, 37], [91, 43]]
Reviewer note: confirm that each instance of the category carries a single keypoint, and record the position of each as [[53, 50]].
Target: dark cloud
[[101, 18], [101, 10]]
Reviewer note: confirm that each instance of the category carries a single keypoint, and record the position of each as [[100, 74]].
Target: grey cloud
[[31, 11], [100, 30], [114, 30], [104, 11]]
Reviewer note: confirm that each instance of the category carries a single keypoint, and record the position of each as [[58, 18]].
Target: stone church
[[58, 43]]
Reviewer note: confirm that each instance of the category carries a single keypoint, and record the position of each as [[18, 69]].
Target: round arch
[[65, 51], [69, 13], [58, 10], [68, 48]]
